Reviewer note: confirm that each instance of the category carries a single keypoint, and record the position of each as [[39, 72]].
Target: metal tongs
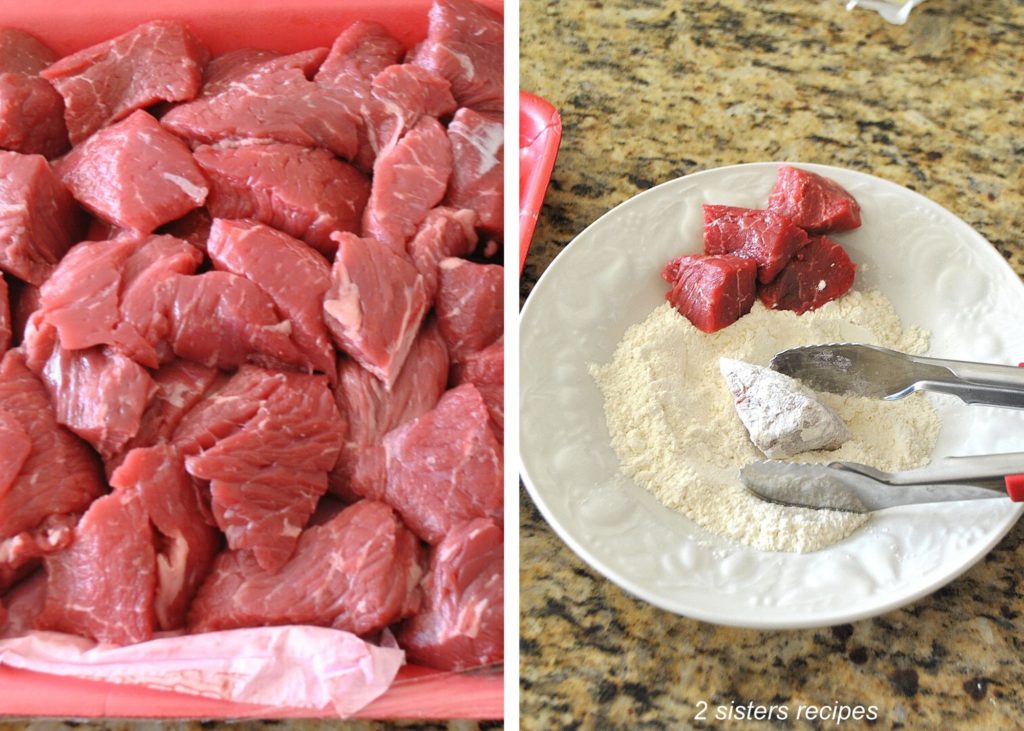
[[867, 370]]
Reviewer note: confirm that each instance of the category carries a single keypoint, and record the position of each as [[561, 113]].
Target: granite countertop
[[649, 91]]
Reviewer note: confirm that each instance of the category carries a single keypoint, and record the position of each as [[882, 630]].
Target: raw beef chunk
[[819, 273], [461, 624], [181, 518], [5, 317], [402, 94], [23, 53], [358, 571], [764, 236], [102, 585], [813, 202], [469, 305], [369, 411], [39, 220], [157, 61], [269, 98], [485, 369], [24, 603], [58, 474], [295, 277], [267, 460], [31, 110], [444, 232], [464, 45], [20, 554], [445, 467], [134, 174], [408, 180], [375, 305], [193, 227], [711, 291], [783, 417], [305, 192], [478, 176]]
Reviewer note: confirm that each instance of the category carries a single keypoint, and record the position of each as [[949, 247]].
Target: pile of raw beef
[[780, 253], [252, 348]]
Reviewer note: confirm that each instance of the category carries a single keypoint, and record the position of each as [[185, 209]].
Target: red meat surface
[[375, 305], [444, 232], [256, 95], [24, 603], [409, 179], [179, 515], [6, 326], [25, 300], [485, 369], [156, 61], [23, 53], [464, 45], [712, 292], [134, 174], [20, 554], [401, 95], [819, 273], [461, 624], [305, 192], [102, 585], [764, 236], [358, 571], [478, 175], [39, 220], [193, 227], [813, 202], [469, 305], [31, 110], [445, 467], [369, 411], [294, 276]]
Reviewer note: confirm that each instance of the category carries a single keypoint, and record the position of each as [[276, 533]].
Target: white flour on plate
[[675, 430]]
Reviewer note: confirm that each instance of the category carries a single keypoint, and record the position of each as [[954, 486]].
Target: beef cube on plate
[[485, 369], [479, 151], [154, 62], [813, 202], [269, 98], [712, 292], [356, 571], [31, 110], [294, 275], [409, 179], [23, 53], [369, 411], [39, 219], [445, 467], [375, 305], [470, 307], [464, 44], [819, 273], [402, 94], [461, 624], [6, 327], [764, 236], [305, 192], [134, 174], [444, 232]]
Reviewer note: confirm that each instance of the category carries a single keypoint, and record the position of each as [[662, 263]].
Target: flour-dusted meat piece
[[134, 174], [461, 624], [60, 474], [305, 192], [470, 307], [401, 95], [712, 292], [465, 45], [782, 416], [820, 272], [485, 369], [187, 540], [369, 411], [375, 304], [6, 327], [813, 202], [39, 220], [102, 585], [761, 235], [409, 179], [445, 467], [102, 84], [445, 232], [357, 571], [478, 148], [269, 97]]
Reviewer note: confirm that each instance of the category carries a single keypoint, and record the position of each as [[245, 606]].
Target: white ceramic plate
[[939, 273]]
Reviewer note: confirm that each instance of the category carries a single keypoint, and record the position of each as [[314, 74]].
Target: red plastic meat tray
[[540, 132], [285, 26]]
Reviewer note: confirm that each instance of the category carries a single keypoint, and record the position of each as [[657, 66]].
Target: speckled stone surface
[[652, 90]]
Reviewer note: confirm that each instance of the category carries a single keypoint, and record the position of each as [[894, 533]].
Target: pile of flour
[[674, 426]]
